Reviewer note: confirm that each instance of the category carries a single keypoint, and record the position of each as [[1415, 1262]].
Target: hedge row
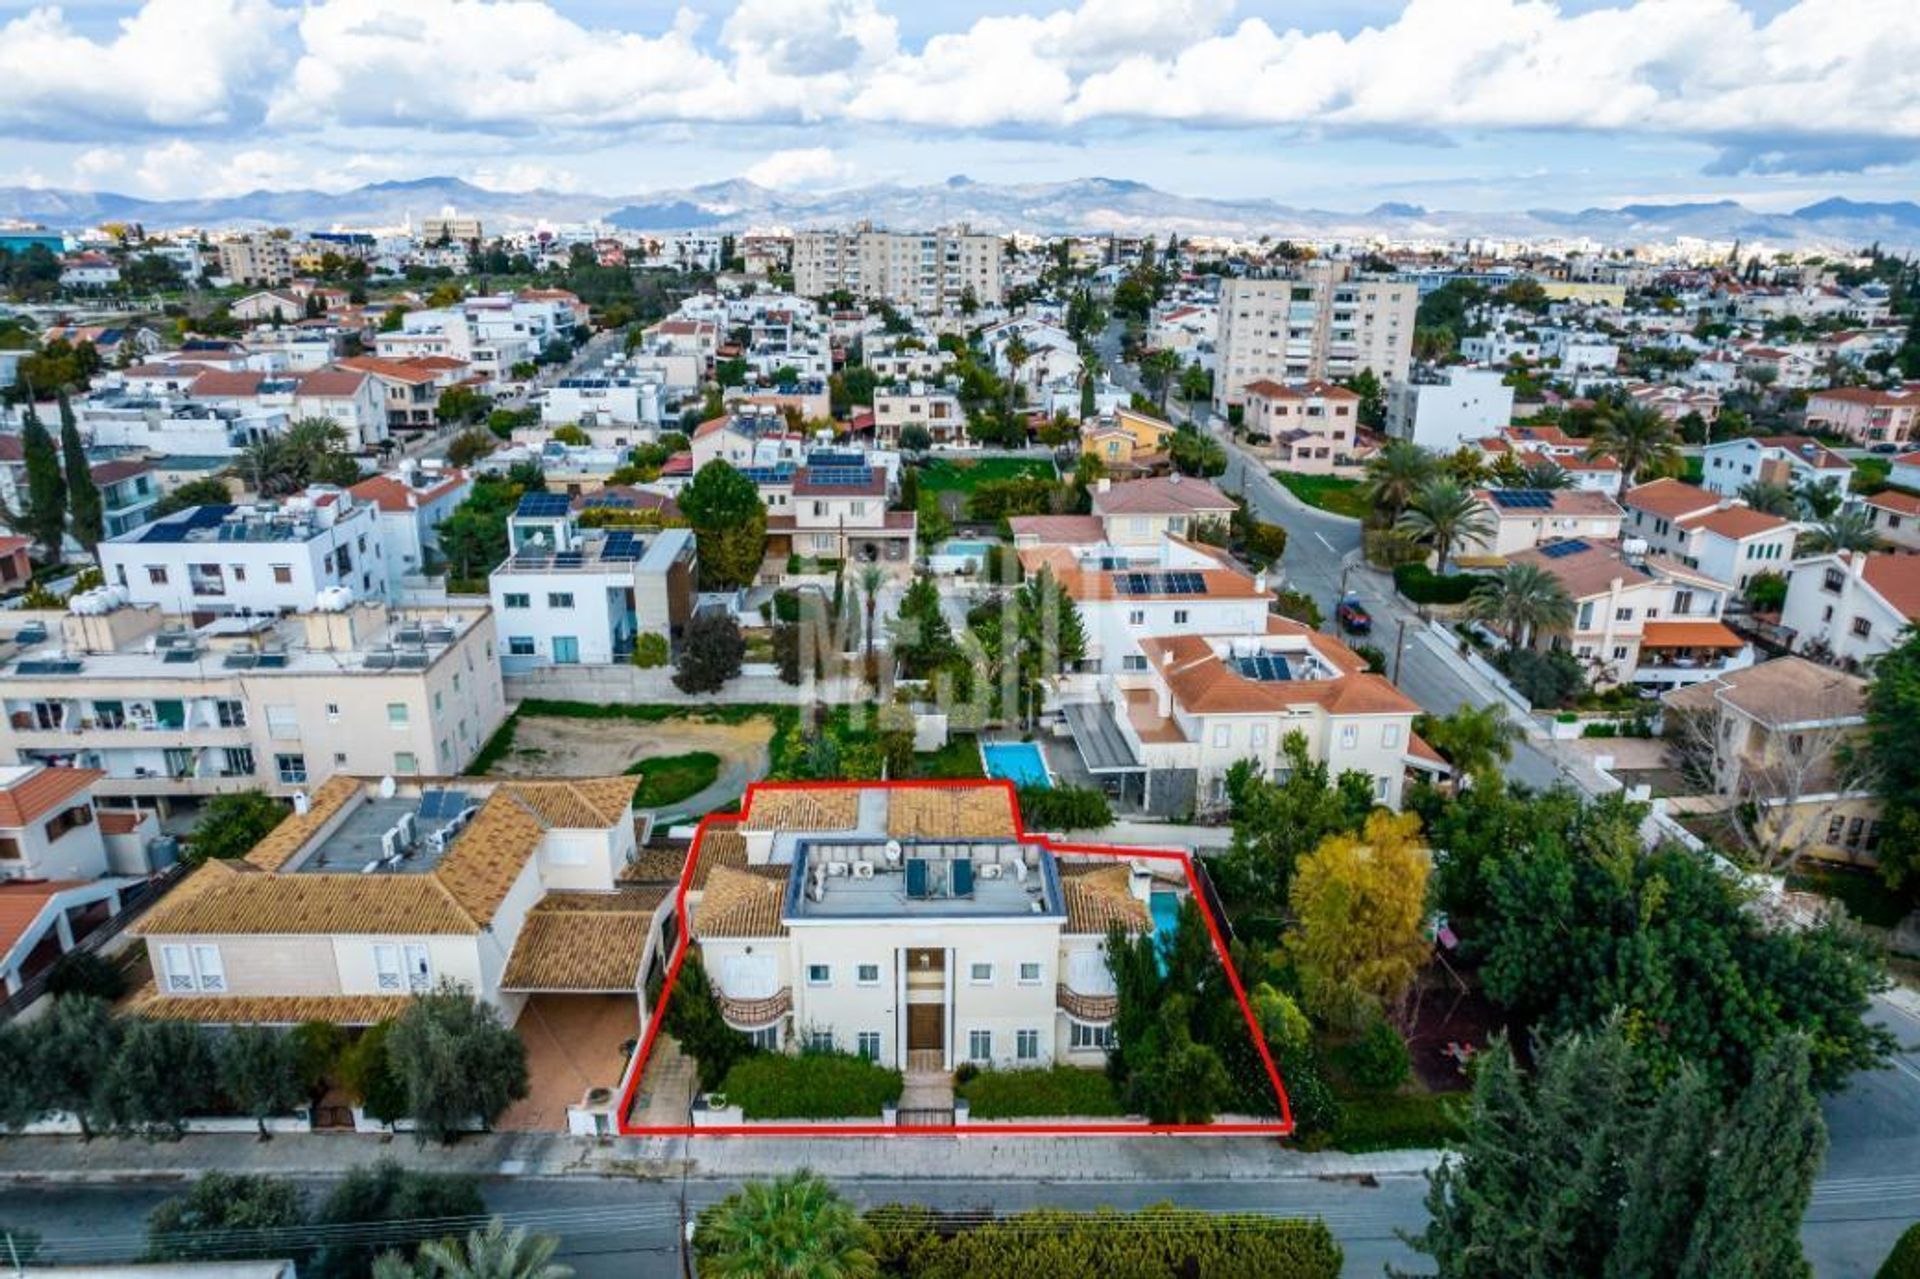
[[1064, 808], [811, 1085], [1420, 584], [1049, 1244], [1030, 1094]]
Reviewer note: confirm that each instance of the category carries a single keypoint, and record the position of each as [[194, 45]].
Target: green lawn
[[1329, 493], [1397, 1121], [1870, 474], [668, 779], [945, 475], [1039, 1094]]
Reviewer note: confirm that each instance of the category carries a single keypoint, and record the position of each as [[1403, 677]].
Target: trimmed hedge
[[1039, 1094], [812, 1085], [1050, 1244], [1064, 808], [1421, 585], [1398, 1121]]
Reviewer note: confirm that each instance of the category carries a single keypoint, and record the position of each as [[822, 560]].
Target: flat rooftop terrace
[[357, 845], [839, 878]]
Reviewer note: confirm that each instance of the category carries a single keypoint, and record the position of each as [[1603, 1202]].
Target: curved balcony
[[1097, 1009], [755, 1014]]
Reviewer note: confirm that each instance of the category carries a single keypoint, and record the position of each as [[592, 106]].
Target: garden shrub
[[811, 1085], [1552, 678], [1037, 1094], [1378, 1058], [82, 972], [1064, 808], [1421, 585], [650, 650], [1904, 1261]]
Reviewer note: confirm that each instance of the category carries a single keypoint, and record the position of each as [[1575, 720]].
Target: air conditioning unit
[[836, 869], [992, 870], [863, 870]]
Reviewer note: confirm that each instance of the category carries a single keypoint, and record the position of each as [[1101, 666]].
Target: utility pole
[[1399, 646]]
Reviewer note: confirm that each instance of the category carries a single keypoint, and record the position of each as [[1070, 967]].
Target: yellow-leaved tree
[[1360, 905]]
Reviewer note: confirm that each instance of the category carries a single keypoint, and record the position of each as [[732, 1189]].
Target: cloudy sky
[[1335, 103]]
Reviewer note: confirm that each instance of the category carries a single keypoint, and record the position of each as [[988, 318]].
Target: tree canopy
[[724, 508]]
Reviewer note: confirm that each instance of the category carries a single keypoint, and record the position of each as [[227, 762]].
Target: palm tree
[[1525, 601], [1638, 437], [1816, 501], [1848, 530], [1771, 499], [492, 1254], [793, 1227], [1545, 474], [1475, 740], [1445, 515], [1395, 474], [872, 579]]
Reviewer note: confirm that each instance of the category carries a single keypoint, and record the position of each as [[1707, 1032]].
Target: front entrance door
[[926, 1027]]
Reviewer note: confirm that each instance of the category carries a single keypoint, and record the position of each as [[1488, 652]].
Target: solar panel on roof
[[179, 655], [1522, 499], [542, 505], [379, 661], [1560, 550], [430, 804], [569, 559], [48, 666], [1264, 666]]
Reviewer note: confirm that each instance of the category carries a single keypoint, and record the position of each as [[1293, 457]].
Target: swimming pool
[[1165, 908], [958, 555], [1018, 762]]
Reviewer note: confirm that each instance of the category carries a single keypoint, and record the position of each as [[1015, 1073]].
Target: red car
[[1353, 617]]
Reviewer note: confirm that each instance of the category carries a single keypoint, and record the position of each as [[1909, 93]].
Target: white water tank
[[334, 599]]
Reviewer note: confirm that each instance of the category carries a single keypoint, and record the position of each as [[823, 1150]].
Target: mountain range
[[1085, 205]]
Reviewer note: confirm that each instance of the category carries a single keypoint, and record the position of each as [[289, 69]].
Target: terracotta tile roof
[[389, 369], [390, 493], [41, 791], [1585, 573], [21, 902], [583, 941], [941, 812], [1807, 449], [1305, 391], [233, 897], [1072, 530], [801, 808], [710, 426], [293, 832], [1671, 499], [587, 804], [481, 867], [1205, 685], [1786, 690], [805, 483], [1897, 579], [118, 469], [1688, 635], [334, 383], [223, 384], [1896, 501], [1417, 747], [1867, 395], [1100, 898], [737, 904], [1564, 502], [1736, 522], [10, 544], [1095, 585], [266, 1010], [1164, 495], [658, 865]]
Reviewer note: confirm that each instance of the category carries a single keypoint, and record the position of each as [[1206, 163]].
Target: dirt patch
[[560, 746], [1449, 1013]]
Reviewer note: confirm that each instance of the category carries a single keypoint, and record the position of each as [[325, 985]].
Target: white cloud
[[525, 176], [803, 167], [1829, 71], [175, 64]]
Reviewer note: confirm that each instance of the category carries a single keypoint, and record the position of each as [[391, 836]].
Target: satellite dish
[[387, 787]]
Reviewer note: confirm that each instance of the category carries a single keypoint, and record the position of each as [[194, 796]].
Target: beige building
[[1144, 512], [929, 272], [1323, 323], [1525, 518], [165, 710], [262, 260], [934, 406], [1777, 736], [1307, 428], [1865, 415]]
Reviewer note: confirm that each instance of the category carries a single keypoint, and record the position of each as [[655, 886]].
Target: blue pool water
[[975, 550], [1018, 762], [1166, 916]]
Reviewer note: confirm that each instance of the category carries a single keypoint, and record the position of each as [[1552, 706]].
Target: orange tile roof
[[737, 904], [266, 1010], [1689, 635], [1068, 529], [583, 941], [1896, 501], [1163, 495], [950, 812], [1897, 579], [1099, 898], [1671, 499], [42, 791], [1095, 585], [390, 493], [292, 834], [1205, 685], [802, 808], [120, 821], [21, 902], [1736, 522]]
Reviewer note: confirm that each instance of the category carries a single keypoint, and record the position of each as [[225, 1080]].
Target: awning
[[1689, 635], [1103, 747], [1422, 756]]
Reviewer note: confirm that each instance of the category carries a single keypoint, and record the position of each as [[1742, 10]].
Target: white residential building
[[1325, 323], [617, 399], [260, 560], [1851, 606], [1788, 461], [410, 504], [1444, 409], [1724, 539], [571, 595], [931, 272], [936, 408], [1144, 512]]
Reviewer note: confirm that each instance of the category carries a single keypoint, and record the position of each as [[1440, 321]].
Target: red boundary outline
[[1277, 1128]]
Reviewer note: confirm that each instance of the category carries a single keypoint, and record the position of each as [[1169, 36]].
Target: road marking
[[1904, 1068], [1321, 537]]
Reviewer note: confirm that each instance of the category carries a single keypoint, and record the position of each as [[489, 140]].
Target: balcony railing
[[754, 1013], [1093, 1008]]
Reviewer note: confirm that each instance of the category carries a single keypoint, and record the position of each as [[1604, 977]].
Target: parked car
[[1353, 617], [1887, 446]]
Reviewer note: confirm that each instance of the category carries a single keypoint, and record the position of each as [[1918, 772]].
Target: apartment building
[[1865, 415], [1164, 733], [929, 272], [1324, 323], [935, 407], [1728, 541], [166, 709], [1444, 409], [1786, 461], [374, 891], [1851, 606], [492, 334], [215, 560], [568, 594], [411, 387], [1307, 429], [1640, 619], [917, 926], [1776, 736], [265, 261]]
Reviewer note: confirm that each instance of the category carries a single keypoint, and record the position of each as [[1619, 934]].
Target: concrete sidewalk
[[65, 1160]]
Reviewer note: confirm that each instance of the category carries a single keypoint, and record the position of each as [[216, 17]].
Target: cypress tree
[[45, 519], [84, 506], [1666, 1181], [1770, 1148]]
